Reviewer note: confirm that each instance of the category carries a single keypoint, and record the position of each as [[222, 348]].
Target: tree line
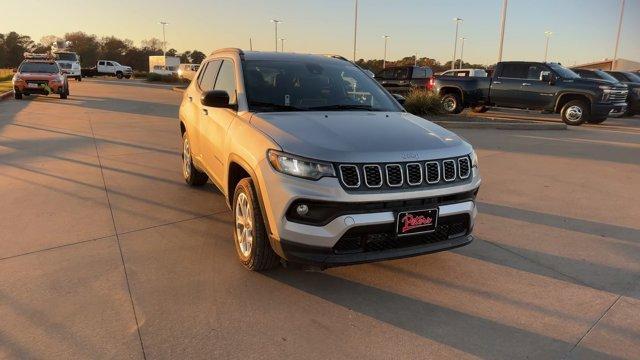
[[91, 48], [375, 65]]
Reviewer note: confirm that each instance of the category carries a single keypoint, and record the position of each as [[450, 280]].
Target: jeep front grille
[[388, 176]]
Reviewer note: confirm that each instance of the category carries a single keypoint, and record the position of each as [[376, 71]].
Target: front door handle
[[190, 98], [526, 84], [205, 112]]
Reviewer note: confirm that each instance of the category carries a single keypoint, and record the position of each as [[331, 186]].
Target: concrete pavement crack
[[115, 230]]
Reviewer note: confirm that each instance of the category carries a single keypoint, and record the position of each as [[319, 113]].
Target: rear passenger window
[[534, 72], [227, 80], [208, 77], [514, 70]]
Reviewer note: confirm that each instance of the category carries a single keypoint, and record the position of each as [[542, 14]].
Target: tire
[[480, 109], [452, 103], [119, 75], [597, 120], [575, 112], [250, 234], [79, 78], [192, 176], [127, 77], [17, 95], [65, 93]]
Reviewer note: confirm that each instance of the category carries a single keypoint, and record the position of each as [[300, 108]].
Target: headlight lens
[[300, 167], [605, 87], [474, 159]]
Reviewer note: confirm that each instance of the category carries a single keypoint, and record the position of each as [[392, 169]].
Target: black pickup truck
[[548, 87]]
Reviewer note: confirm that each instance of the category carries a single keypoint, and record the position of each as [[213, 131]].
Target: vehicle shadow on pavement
[[474, 335]]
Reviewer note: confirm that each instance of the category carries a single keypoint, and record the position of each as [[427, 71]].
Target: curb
[[501, 125], [178, 88], [6, 95]]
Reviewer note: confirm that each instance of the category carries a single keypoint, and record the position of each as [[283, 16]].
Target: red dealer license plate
[[416, 222]]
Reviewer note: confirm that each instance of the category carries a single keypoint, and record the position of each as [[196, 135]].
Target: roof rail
[[34, 56], [239, 51], [339, 57]]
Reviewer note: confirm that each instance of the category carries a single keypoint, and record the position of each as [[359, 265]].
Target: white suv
[[320, 164]]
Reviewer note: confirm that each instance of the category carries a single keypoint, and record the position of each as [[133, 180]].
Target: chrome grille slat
[[464, 168], [432, 167], [449, 170], [394, 171], [372, 176], [412, 168], [350, 176]]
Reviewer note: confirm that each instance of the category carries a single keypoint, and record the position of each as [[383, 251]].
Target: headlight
[[474, 159], [299, 166], [605, 87]]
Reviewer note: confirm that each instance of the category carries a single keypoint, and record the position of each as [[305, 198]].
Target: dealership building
[[608, 64]]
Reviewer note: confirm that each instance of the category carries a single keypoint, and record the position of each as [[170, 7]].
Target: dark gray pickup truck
[[533, 85]]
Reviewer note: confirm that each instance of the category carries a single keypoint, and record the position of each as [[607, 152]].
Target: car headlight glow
[[299, 166]]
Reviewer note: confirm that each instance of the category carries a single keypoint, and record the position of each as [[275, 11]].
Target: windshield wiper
[[276, 107], [344, 107]]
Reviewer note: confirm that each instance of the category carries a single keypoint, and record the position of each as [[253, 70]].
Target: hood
[[357, 136], [597, 82]]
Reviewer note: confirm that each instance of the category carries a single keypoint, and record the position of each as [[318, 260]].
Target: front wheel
[[119, 75], [17, 95], [575, 112], [452, 104], [250, 233]]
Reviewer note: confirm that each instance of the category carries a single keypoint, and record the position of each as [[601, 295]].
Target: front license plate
[[416, 222], [33, 86]]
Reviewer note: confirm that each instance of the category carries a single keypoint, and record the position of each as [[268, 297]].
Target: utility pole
[[461, 51], [415, 59], [250, 44], [547, 34], [384, 61], [282, 44], [503, 20], [276, 22], [615, 52], [355, 32], [164, 38], [455, 42]]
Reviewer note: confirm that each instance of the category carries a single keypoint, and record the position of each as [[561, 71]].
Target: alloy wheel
[[244, 224]]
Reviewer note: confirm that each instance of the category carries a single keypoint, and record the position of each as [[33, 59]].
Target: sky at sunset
[[584, 30]]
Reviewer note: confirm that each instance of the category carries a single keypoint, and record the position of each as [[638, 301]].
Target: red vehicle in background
[[39, 74]]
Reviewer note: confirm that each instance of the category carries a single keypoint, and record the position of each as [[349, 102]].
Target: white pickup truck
[[109, 68]]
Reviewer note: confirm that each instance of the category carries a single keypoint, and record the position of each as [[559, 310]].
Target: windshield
[[38, 68], [633, 77], [116, 64], [563, 72], [312, 85], [66, 56], [603, 75]]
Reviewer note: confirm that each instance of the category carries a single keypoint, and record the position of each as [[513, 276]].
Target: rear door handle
[[205, 112], [190, 98], [526, 84]]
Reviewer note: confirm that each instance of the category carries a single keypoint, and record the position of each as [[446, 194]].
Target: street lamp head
[[548, 33], [386, 36], [276, 21], [163, 23], [463, 38], [457, 19]]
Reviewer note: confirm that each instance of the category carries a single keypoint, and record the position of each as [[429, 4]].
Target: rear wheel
[[17, 95], [250, 233], [575, 112], [192, 176], [452, 103], [119, 75]]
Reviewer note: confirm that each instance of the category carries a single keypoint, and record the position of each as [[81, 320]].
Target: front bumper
[[600, 110], [53, 88], [318, 244]]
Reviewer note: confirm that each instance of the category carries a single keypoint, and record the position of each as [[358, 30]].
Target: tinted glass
[[604, 76], [421, 73], [395, 74], [227, 80], [618, 76], [563, 72], [66, 56], [38, 68], [109, 63], [208, 77], [514, 70], [312, 85], [534, 71], [632, 77]]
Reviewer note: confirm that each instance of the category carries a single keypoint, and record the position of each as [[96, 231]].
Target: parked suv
[[632, 80], [320, 165], [39, 74], [402, 79], [549, 87]]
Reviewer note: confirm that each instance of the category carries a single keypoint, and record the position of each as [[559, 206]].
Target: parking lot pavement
[[105, 253]]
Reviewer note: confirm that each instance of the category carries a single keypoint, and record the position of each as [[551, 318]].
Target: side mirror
[[547, 76], [399, 98], [216, 98]]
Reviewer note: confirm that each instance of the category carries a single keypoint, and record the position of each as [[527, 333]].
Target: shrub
[[422, 102], [162, 78]]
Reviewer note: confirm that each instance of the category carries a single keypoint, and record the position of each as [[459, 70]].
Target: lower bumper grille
[[383, 237]]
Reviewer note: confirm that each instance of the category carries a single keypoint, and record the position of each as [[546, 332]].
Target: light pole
[[355, 32], [384, 61], [503, 20], [461, 50], [276, 22], [615, 52], [164, 38], [415, 59], [455, 42], [282, 44], [547, 34]]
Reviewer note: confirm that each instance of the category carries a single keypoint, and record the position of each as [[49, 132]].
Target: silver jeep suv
[[320, 165]]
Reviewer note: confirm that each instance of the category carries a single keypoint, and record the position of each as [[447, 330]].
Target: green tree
[[196, 57], [12, 48], [113, 48], [87, 46], [172, 52], [184, 57]]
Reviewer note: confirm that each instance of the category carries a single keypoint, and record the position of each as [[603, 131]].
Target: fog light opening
[[302, 209]]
